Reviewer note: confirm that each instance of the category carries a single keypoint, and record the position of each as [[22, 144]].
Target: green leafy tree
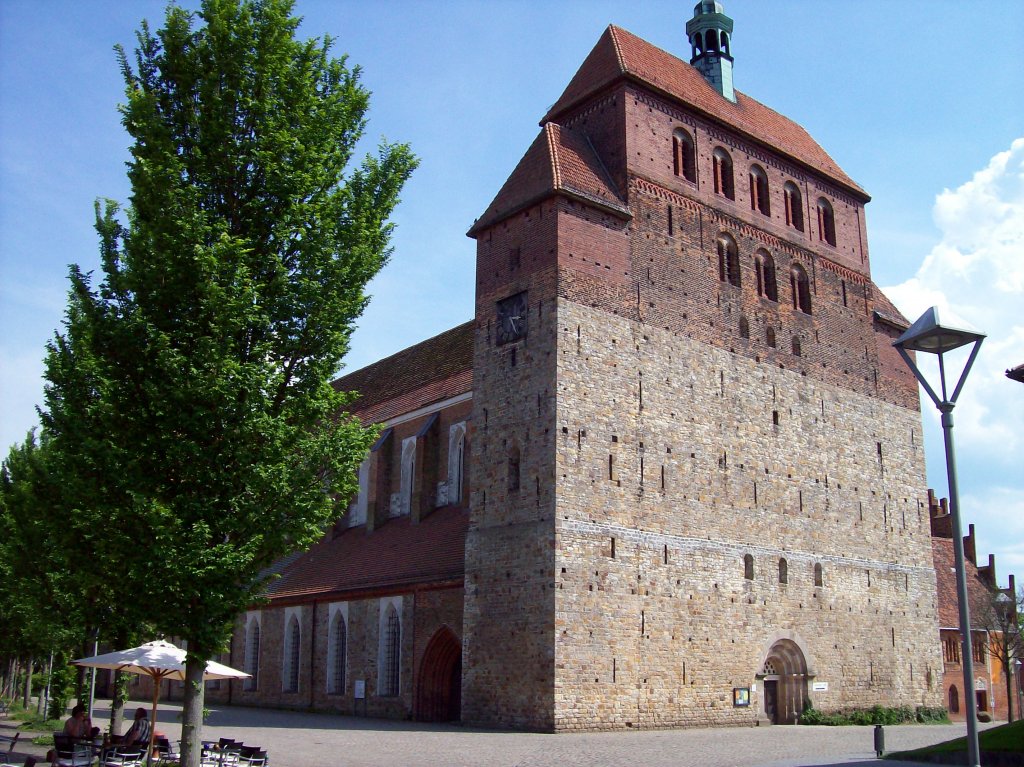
[[194, 382]]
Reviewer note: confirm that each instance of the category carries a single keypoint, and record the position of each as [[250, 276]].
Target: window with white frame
[[252, 650], [456, 460], [337, 647], [408, 474], [390, 661], [357, 511], [292, 648]]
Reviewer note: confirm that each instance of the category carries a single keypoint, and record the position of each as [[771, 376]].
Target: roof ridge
[[556, 175], [612, 30]]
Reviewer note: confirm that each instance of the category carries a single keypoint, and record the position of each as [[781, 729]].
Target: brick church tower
[[697, 471]]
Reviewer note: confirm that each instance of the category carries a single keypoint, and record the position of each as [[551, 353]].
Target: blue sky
[[920, 102]]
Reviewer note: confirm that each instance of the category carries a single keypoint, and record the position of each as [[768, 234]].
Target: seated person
[[138, 733], [78, 725]]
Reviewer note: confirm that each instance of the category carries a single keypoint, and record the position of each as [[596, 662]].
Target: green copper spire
[[710, 33]]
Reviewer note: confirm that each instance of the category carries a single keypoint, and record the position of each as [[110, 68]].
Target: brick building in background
[[986, 600], [671, 473]]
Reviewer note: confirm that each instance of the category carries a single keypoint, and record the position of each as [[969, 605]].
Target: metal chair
[[70, 753]]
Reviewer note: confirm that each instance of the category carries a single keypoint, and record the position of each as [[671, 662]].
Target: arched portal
[[439, 692], [784, 676]]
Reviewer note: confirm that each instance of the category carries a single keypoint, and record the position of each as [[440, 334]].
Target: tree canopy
[[190, 390]]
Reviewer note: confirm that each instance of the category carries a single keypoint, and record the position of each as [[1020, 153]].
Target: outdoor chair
[[128, 756], [70, 753], [30, 761], [253, 757], [10, 742], [164, 753]]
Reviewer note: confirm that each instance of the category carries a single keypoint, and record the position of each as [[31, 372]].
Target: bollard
[[879, 740]]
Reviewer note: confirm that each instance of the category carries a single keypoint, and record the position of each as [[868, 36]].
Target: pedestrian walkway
[[296, 739]]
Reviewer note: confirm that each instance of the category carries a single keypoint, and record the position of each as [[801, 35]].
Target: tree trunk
[[192, 712], [27, 697], [1009, 689], [117, 702]]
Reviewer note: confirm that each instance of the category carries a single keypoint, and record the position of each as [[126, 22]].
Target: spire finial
[[710, 34]]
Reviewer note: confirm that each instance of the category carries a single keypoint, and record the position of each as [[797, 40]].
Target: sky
[[918, 101]]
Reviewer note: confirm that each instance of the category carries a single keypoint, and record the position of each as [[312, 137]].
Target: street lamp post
[[930, 336]]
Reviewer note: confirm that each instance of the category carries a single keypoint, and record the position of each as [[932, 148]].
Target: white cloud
[[998, 515], [975, 275]]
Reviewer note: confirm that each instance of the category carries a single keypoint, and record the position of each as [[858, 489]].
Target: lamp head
[[929, 335]]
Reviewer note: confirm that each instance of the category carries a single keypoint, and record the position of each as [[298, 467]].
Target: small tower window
[[748, 567], [684, 155], [769, 337], [818, 580], [728, 260], [765, 267], [744, 327], [783, 571], [826, 222], [759, 200], [796, 346], [794, 206], [723, 174], [801, 287]]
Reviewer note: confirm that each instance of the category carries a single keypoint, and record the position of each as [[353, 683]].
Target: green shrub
[[874, 715]]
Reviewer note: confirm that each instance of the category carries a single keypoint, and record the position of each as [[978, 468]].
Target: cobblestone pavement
[[296, 739]]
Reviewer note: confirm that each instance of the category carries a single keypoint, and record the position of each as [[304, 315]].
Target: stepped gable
[[622, 55], [393, 556], [559, 161], [978, 593], [431, 371]]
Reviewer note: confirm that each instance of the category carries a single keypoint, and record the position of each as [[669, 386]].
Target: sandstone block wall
[[676, 459]]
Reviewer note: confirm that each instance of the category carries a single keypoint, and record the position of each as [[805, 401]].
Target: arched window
[[408, 474], [392, 650], [711, 36], [954, 699], [728, 260], [252, 653], [796, 346], [456, 461], [764, 265], [684, 155], [826, 222], [818, 580], [744, 327], [769, 337], [337, 652], [783, 571], [794, 206], [759, 200], [748, 567], [723, 174], [801, 287], [513, 468], [292, 644]]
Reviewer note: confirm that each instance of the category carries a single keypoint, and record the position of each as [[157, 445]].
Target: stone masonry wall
[[676, 459]]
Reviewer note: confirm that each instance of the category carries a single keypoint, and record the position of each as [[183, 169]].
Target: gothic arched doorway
[[784, 676], [439, 693]]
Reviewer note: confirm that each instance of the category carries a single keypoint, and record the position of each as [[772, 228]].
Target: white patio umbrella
[[160, 660]]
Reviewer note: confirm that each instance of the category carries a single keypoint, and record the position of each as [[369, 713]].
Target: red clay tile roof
[[622, 55], [431, 371], [398, 553], [978, 593], [886, 311], [559, 161]]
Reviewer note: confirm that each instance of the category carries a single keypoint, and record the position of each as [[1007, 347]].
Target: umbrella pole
[[152, 722]]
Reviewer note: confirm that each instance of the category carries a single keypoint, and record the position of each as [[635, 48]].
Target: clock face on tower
[[512, 318]]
